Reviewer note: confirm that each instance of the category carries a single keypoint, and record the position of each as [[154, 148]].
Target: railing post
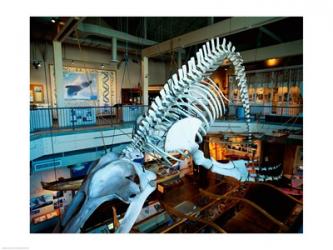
[[73, 115], [49, 115], [111, 115]]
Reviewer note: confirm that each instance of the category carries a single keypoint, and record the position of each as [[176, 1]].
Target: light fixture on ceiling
[[53, 20], [271, 62], [226, 62], [36, 64]]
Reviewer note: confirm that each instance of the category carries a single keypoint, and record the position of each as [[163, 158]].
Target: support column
[[289, 111], [179, 58], [145, 27], [58, 70], [114, 49], [144, 68], [272, 93]]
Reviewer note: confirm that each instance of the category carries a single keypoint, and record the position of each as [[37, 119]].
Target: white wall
[[93, 58]]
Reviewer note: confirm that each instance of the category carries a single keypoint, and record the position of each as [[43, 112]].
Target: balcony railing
[[260, 111], [42, 119], [72, 118]]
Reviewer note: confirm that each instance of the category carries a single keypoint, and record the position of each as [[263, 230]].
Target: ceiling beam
[[224, 28], [91, 29], [275, 51], [101, 44], [68, 28], [271, 34], [59, 33]]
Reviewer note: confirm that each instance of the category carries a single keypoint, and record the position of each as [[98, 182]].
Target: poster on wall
[[86, 87], [36, 93], [80, 85]]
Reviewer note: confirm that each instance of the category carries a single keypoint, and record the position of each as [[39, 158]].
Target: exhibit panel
[[273, 92]]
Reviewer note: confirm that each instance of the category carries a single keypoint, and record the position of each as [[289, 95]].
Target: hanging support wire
[[90, 87], [43, 52], [173, 63]]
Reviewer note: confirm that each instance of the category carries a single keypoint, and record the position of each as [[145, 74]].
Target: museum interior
[[159, 125]]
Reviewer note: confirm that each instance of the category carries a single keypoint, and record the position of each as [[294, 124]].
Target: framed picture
[[31, 96], [36, 93]]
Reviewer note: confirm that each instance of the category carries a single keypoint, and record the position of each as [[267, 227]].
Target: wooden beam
[[100, 31], [280, 50], [271, 34], [102, 44], [226, 27], [68, 28], [69, 21], [74, 26]]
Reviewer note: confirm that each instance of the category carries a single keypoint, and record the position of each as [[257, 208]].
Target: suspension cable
[[90, 86]]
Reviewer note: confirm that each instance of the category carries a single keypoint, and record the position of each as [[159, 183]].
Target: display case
[[276, 92], [131, 96], [233, 148]]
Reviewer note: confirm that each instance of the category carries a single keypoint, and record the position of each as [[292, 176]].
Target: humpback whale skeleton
[[176, 121]]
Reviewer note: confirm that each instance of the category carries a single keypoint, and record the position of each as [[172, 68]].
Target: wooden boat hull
[[63, 185]]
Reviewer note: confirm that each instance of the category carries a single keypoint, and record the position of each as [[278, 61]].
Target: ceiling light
[[226, 62], [53, 20], [272, 62], [36, 64]]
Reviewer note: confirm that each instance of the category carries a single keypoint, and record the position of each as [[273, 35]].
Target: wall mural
[[80, 85], [106, 88], [86, 87]]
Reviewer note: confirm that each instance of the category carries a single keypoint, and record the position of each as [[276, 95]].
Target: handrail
[[56, 118], [49, 119]]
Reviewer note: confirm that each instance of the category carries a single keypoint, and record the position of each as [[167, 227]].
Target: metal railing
[[259, 112], [43, 119], [72, 118]]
